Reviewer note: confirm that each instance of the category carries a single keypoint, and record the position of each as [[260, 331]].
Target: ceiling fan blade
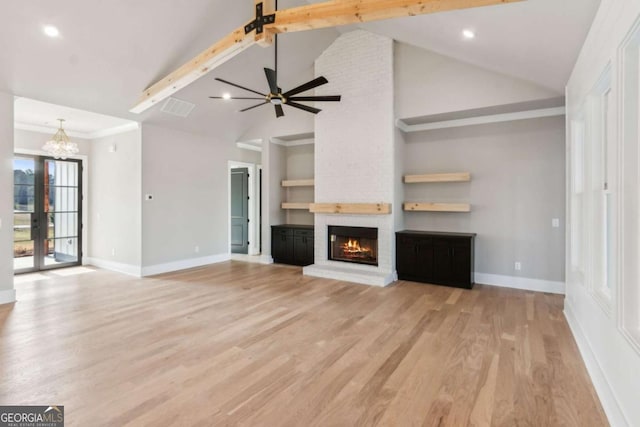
[[307, 86], [241, 87], [303, 107], [271, 78], [316, 98], [232, 98], [254, 106], [279, 110]]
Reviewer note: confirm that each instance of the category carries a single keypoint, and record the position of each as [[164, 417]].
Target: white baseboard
[[603, 388], [524, 283], [131, 270], [258, 259], [8, 296], [184, 264], [371, 278]]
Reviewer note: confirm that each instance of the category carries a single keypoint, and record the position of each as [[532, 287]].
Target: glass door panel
[[47, 212], [24, 170]]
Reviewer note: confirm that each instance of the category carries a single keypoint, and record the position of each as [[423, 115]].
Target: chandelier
[[59, 146]]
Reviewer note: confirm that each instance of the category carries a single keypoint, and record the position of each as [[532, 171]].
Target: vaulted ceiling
[[109, 51]]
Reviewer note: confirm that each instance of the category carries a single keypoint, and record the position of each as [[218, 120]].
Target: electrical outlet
[[518, 266], [555, 222]]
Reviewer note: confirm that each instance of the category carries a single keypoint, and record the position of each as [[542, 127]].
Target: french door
[[47, 213]]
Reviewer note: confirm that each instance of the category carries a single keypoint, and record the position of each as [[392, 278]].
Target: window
[[629, 293], [602, 190]]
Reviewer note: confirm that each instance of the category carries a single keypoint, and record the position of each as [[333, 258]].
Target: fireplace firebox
[[353, 244]]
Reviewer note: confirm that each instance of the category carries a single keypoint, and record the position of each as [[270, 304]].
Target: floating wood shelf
[[290, 205], [437, 207], [299, 183], [438, 177], [351, 208]]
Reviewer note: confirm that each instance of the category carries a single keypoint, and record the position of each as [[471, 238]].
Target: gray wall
[[115, 206], [517, 187], [299, 165], [6, 201], [430, 83], [187, 174]]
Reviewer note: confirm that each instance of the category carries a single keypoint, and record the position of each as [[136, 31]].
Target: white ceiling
[[42, 116], [109, 52]]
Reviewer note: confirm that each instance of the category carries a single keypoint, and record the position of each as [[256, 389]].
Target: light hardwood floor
[[254, 345]]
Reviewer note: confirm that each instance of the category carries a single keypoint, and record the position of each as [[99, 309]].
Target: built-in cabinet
[[292, 244], [436, 257]]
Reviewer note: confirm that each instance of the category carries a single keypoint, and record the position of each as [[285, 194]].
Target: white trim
[[480, 120], [130, 269], [293, 143], [184, 264], [402, 126], [256, 259], [371, 278], [245, 146], [7, 296], [604, 390], [127, 127], [524, 283]]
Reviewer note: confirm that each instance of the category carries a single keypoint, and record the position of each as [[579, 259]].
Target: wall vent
[[177, 107]]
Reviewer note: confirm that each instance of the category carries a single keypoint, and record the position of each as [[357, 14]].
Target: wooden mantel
[[351, 208]]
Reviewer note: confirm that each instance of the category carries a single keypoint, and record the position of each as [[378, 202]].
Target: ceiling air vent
[[177, 107]]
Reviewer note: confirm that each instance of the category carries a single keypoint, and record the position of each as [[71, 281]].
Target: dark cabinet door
[[442, 261], [461, 262], [407, 262], [439, 258], [282, 245], [303, 247], [292, 245]]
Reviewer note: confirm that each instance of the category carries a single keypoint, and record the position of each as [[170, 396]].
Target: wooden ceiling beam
[[344, 12], [320, 15]]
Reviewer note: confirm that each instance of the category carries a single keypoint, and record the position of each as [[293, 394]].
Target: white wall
[[187, 174], [116, 202], [516, 188], [354, 146], [7, 293], [602, 330]]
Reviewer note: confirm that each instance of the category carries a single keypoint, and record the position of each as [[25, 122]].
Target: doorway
[[240, 211], [238, 181], [47, 206]]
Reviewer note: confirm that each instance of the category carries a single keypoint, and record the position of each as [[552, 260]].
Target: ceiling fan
[[275, 96]]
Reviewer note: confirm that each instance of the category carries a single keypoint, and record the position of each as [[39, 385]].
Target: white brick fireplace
[[355, 151]]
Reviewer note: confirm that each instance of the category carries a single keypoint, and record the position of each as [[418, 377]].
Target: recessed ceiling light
[[51, 31], [226, 96], [469, 34]]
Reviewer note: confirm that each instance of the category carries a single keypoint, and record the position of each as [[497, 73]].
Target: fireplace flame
[[353, 247]]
